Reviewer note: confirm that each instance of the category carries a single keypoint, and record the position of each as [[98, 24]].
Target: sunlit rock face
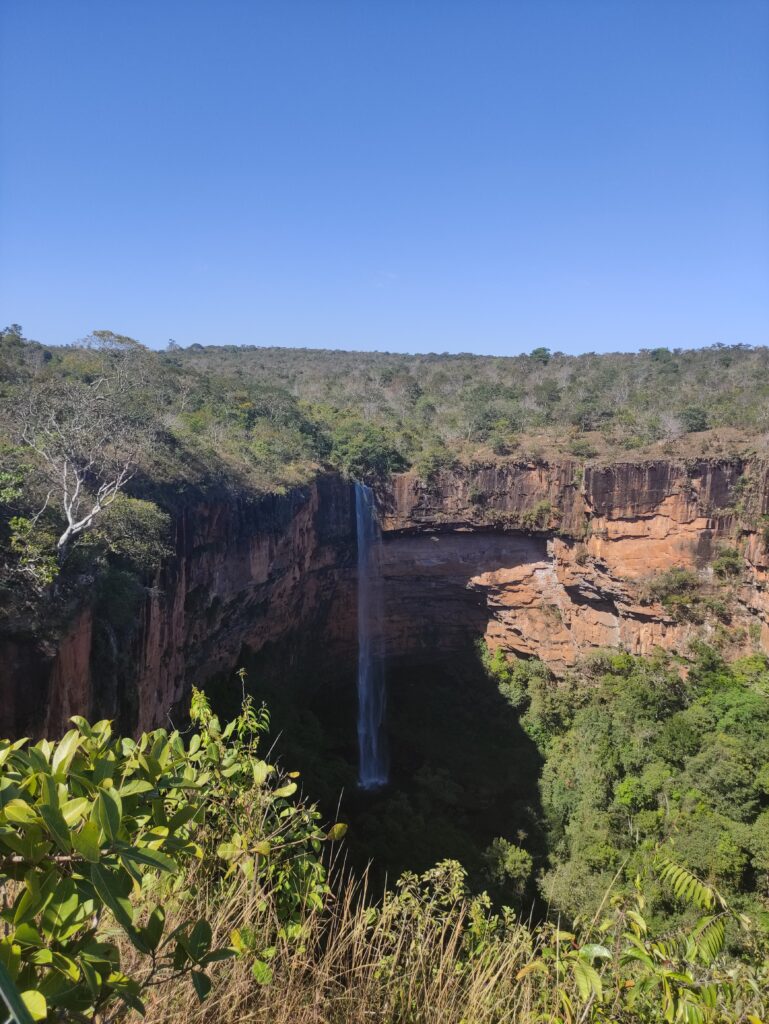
[[572, 581], [545, 560]]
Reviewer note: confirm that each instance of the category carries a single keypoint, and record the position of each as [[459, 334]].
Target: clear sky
[[409, 175]]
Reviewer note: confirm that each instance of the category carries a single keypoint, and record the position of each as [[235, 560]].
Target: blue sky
[[409, 175]]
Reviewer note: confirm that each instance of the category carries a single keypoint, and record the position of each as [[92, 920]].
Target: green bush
[[636, 759], [582, 448], [94, 826], [364, 450], [728, 562], [694, 419]]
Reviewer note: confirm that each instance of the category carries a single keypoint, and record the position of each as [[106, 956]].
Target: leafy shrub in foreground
[[93, 827]]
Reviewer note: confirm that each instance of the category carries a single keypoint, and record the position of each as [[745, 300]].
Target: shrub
[[728, 563], [508, 865], [364, 449], [582, 448], [693, 418], [93, 825], [539, 517], [431, 460]]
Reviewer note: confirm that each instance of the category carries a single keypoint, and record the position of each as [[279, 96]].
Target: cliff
[[246, 574], [542, 559], [587, 542]]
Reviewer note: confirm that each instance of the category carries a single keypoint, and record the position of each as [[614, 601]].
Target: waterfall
[[373, 761]]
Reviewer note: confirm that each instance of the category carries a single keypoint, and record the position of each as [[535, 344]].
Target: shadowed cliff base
[[463, 772]]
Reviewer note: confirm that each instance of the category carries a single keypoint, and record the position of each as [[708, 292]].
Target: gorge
[[538, 558], [322, 593]]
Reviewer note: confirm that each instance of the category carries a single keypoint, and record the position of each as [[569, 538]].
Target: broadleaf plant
[[96, 829]]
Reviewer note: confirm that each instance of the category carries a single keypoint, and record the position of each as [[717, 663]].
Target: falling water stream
[[373, 761]]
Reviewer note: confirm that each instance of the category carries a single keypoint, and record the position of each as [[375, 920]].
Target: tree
[[88, 434], [694, 419], [540, 355]]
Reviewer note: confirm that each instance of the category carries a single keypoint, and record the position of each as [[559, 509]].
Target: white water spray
[[373, 767]]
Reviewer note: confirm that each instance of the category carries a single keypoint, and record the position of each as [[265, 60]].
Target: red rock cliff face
[[545, 560], [246, 575], [574, 582]]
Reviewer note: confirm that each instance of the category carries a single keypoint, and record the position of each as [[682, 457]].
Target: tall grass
[[428, 953], [424, 954]]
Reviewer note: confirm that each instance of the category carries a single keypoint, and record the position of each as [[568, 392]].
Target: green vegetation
[[623, 811], [637, 759], [697, 597], [131, 870], [97, 829]]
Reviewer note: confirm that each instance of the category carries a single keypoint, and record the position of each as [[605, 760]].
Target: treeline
[[439, 406]]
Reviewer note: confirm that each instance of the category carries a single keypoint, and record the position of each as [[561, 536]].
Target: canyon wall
[[245, 575], [546, 560], [592, 537]]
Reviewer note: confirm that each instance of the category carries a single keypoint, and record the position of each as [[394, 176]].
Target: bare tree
[[89, 439]]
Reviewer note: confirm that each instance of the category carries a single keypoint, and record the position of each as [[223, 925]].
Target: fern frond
[[686, 885], [708, 936]]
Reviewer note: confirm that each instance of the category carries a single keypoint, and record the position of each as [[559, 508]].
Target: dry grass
[[403, 960]]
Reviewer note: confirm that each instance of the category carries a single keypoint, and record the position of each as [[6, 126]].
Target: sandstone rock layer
[[546, 560]]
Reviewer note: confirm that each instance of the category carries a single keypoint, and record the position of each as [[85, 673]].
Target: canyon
[[540, 559]]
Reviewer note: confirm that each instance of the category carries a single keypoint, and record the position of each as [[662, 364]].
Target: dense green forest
[[576, 782]]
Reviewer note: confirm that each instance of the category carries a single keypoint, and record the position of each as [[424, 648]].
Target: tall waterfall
[[373, 760]]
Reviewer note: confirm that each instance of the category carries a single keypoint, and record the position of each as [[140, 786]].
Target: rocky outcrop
[[542, 559], [247, 577], [594, 538]]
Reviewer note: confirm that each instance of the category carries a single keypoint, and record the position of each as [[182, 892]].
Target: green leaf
[[135, 786], [198, 941], [56, 827], [592, 951], [181, 817], [153, 930], [108, 812], [202, 984], [588, 981], [66, 749], [262, 972], [64, 908], [92, 978], [149, 858], [285, 791], [8, 751], [26, 935], [20, 812], [35, 1003], [218, 954], [127, 989], [74, 810], [86, 842], [36, 896], [337, 831], [110, 891]]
